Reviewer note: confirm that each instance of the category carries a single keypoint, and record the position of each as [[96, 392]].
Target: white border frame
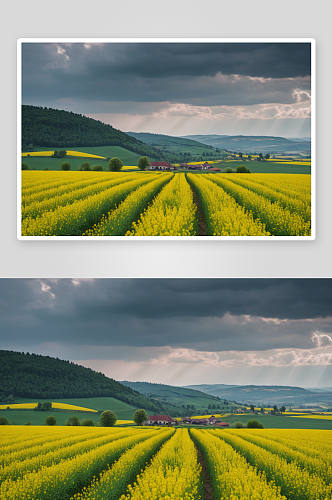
[[312, 41]]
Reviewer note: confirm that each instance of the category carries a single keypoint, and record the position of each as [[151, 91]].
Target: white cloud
[[46, 288], [321, 339]]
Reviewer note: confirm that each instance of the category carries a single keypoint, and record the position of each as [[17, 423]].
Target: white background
[[160, 18]]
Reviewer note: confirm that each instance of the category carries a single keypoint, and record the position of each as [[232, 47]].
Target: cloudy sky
[[175, 88], [177, 331]]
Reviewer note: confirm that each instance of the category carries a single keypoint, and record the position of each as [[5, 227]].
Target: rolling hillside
[[55, 128], [254, 144], [265, 394], [179, 146], [180, 396], [25, 375]]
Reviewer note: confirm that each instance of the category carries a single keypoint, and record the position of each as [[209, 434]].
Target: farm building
[[222, 424], [161, 420], [214, 169], [161, 165]]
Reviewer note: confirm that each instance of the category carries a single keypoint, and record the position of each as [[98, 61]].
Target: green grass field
[[128, 158], [258, 167], [281, 422], [122, 410]]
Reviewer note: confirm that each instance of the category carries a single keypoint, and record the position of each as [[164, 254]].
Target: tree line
[[35, 376]]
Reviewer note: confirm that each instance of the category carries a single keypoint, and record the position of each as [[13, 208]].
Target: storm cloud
[[136, 78], [203, 314]]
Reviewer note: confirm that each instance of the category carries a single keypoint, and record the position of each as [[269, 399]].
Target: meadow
[[164, 204], [62, 409], [152, 463]]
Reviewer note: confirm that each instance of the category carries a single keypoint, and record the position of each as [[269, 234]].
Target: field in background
[[129, 158]]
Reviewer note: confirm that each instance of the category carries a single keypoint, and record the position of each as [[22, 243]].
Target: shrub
[[25, 166], [228, 170], [65, 166], [51, 420], [242, 169], [108, 418], [88, 422], [98, 168], [4, 421], [115, 165], [254, 424], [74, 420], [46, 168], [85, 167], [28, 423], [238, 425]]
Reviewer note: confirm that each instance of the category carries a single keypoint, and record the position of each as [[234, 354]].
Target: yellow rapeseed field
[[152, 463], [59, 406], [139, 203], [69, 153]]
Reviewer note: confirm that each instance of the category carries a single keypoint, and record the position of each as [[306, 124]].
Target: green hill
[[180, 396], [186, 149], [56, 128], [25, 375], [255, 144]]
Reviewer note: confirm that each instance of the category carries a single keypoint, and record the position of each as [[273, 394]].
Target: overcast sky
[[177, 331], [175, 88]]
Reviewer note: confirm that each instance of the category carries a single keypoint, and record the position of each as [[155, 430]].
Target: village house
[[222, 424], [161, 420], [214, 169]]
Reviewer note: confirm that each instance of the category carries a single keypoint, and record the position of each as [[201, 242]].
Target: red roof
[[223, 424], [161, 417]]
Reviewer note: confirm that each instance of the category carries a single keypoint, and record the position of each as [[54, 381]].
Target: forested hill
[[61, 129], [42, 377]]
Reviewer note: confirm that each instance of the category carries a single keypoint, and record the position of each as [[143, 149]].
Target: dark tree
[[85, 167], [143, 162], [74, 420], [108, 418], [283, 409], [115, 165], [254, 424], [65, 166], [140, 416], [88, 422], [25, 166], [98, 168], [242, 169], [267, 156], [51, 420], [4, 421]]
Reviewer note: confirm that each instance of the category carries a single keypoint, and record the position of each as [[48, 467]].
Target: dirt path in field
[[200, 215], [207, 487]]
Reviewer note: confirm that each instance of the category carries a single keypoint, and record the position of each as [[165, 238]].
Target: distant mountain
[[61, 129], [254, 143], [266, 394], [43, 377]]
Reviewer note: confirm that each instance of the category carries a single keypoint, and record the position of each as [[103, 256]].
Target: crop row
[[166, 464], [163, 204], [173, 212], [66, 477]]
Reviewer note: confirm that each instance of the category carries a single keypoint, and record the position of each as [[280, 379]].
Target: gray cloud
[[199, 314], [197, 73]]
